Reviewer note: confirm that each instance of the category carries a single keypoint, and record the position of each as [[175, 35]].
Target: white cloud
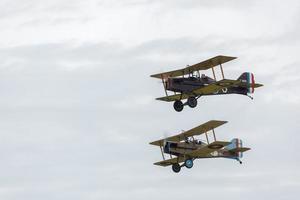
[[78, 110]]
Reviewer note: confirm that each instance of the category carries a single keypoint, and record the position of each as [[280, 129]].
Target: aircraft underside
[[189, 163], [192, 98]]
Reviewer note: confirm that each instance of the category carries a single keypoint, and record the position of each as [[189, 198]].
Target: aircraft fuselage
[[184, 148], [188, 85]]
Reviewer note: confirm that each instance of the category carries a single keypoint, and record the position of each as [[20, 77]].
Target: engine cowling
[[168, 145]]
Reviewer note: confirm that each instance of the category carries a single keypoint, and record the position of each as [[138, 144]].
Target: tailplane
[[236, 147]]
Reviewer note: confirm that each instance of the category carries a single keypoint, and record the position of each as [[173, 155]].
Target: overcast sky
[[78, 107]]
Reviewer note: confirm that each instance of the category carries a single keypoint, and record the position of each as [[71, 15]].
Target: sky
[[78, 108]]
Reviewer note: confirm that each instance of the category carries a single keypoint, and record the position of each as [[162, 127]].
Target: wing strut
[[222, 71], [206, 138], [162, 154], [163, 82], [214, 134], [214, 73], [198, 73]]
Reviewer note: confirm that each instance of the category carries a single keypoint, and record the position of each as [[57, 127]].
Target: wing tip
[[220, 121], [153, 143], [154, 76], [231, 57], [157, 143], [161, 99]]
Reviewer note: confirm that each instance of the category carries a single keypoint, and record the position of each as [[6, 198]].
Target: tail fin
[[248, 79], [234, 146]]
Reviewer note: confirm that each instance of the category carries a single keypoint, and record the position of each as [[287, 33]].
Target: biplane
[[184, 148], [187, 83]]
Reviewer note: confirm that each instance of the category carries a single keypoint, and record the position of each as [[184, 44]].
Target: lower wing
[[171, 161]]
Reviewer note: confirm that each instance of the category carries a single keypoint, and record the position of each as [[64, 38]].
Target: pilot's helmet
[[203, 76]]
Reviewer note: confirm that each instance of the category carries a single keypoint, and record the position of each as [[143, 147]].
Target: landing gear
[[188, 163], [192, 102], [250, 97], [178, 105], [239, 161], [176, 168]]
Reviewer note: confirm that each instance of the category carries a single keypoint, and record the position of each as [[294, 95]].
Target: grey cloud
[[91, 148]]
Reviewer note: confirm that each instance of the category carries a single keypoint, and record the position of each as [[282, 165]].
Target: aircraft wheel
[[192, 102], [178, 105], [176, 168], [188, 163]]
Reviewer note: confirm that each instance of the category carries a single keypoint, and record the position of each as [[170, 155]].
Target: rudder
[[248, 78]]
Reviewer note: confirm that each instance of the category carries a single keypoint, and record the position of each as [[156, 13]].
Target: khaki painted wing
[[205, 151], [212, 62], [215, 87], [158, 142], [207, 64], [173, 97], [212, 124], [171, 161]]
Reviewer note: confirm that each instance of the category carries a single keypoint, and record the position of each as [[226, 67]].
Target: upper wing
[[207, 64], [212, 62], [205, 151], [195, 131], [171, 161]]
